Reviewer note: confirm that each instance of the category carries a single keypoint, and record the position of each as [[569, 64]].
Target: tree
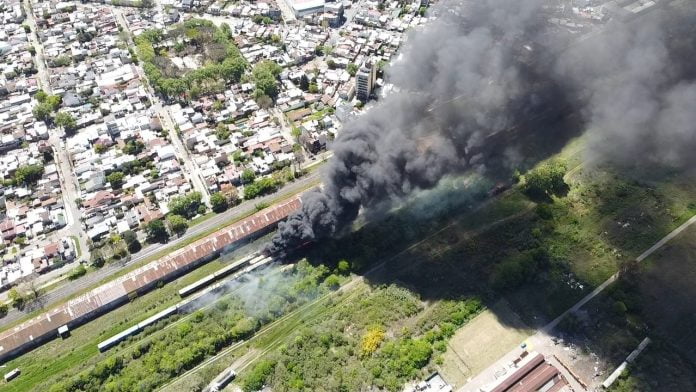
[[218, 202], [545, 180], [62, 61], [371, 340], [296, 132], [133, 147], [343, 267], [260, 187], [267, 86], [66, 121], [256, 378], [3, 310], [155, 231], [54, 101], [218, 105], [333, 282], [100, 148], [304, 82], [265, 74], [28, 174], [41, 96], [331, 64], [131, 240], [352, 69], [313, 88], [238, 156], [248, 176], [177, 224], [42, 111], [16, 299], [186, 206], [115, 179], [222, 132]]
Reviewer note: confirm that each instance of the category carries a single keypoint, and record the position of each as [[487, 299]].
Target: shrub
[[80, 270]]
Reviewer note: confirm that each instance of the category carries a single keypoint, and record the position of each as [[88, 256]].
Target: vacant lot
[[482, 341], [656, 299], [668, 292]]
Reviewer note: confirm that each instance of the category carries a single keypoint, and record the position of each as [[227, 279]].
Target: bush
[[514, 271], [80, 270], [256, 379], [333, 282], [260, 187], [372, 340], [620, 308], [343, 267], [16, 299]]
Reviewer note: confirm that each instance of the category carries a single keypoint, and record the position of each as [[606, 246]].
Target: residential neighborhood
[[95, 154]]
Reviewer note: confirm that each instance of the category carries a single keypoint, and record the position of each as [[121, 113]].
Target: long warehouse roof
[[118, 288]]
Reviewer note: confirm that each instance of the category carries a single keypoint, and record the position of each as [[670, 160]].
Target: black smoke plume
[[476, 80]]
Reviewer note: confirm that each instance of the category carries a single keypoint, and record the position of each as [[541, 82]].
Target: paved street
[[68, 182], [191, 170]]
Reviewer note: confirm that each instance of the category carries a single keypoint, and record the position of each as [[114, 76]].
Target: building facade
[[365, 81]]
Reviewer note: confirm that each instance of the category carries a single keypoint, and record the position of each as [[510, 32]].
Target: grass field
[[481, 342]]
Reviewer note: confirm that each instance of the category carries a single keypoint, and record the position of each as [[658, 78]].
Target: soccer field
[[482, 341]]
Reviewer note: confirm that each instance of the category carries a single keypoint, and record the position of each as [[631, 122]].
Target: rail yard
[[86, 307]]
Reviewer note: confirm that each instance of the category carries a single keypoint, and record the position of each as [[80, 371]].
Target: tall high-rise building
[[365, 80]]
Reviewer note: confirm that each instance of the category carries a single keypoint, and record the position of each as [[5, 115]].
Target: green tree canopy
[[222, 132], [41, 96], [133, 147], [28, 174], [42, 111], [115, 179], [55, 101], [131, 240], [177, 224], [66, 121], [248, 176], [218, 201], [186, 206], [156, 231], [545, 180]]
